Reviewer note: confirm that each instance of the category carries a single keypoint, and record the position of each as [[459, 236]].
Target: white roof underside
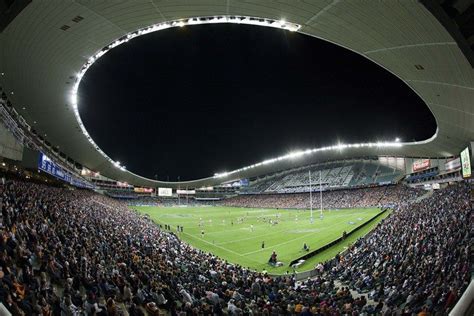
[[38, 58]]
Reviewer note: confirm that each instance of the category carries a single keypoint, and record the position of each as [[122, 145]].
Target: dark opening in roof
[[197, 100]]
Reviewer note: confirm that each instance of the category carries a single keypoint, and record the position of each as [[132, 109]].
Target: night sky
[[189, 102]]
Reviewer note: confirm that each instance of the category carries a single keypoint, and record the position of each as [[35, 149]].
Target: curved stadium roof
[[45, 47]]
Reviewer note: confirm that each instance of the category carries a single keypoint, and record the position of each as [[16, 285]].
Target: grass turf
[[234, 240]]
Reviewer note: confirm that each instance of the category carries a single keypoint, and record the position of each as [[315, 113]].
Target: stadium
[[366, 227]]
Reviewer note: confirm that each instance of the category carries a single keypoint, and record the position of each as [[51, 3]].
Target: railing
[[465, 305], [14, 127], [21, 131]]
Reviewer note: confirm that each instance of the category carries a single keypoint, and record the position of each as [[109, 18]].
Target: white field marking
[[216, 223], [192, 218], [219, 224], [185, 220], [258, 226], [277, 245], [264, 235], [252, 237], [245, 254], [274, 232], [304, 230], [214, 245], [223, 248], [158, 217], [206, 223], [287, 242]]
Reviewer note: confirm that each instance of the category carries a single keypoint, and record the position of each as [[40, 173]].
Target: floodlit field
[[236, 234]]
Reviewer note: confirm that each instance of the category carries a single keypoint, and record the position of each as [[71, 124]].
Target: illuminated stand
[[320, 195], [311, 197], [311, 219]]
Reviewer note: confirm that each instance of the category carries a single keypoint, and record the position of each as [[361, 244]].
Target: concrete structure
[[45, 46]]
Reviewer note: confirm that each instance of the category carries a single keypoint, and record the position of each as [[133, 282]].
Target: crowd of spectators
[[419, 258], [121, 194], [67, 252], [146, 200], [171, 201], [337, 199]]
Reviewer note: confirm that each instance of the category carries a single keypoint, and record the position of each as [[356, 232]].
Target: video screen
[[466, 163]]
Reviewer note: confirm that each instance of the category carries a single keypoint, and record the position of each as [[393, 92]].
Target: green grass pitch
[[228, 232]]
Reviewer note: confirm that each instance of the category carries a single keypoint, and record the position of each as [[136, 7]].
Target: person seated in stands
[[111, 307], [152, 309], [19, 288], [273, 259], [134, 310], [54, 270], [67, 306]]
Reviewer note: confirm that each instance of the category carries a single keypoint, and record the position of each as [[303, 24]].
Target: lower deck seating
[[100, 252]]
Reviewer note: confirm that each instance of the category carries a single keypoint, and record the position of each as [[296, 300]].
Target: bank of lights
[[235, 19], [117, 165], [301, 153]]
